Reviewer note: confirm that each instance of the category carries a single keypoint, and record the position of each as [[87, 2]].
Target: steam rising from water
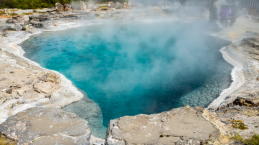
[[134, 68]]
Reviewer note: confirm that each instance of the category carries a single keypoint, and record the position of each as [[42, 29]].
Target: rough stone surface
[[180, 125], [45, 87], [118, 5], [83, 6], [59, 7], [67, 7], [46, 126]]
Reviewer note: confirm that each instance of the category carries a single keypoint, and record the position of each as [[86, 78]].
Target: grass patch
[[27, 13], [237, 137], [13, 14], [254, 140], [2, 12], [238, 124]]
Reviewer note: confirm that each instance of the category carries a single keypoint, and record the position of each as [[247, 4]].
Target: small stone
[[3, 79], [9, 91], [29, 82], [55, 24]]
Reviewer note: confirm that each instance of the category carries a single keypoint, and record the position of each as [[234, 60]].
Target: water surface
[[130, 69]]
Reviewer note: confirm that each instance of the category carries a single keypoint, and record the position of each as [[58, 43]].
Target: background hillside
[[35, 4]]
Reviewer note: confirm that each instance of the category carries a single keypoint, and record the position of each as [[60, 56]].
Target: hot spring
[[136, 68]]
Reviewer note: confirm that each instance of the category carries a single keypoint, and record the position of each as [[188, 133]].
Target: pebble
[[3, 79]]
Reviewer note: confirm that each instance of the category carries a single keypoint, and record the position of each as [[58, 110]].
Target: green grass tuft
[[254, 140], [237, 137]]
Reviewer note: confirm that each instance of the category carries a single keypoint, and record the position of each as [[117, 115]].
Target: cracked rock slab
[[181, 125], [46, 126]]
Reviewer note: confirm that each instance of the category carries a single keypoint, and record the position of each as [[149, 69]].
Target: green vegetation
[[2, 12], [254, 140], [37, 4], [237, 137], [238, 124]]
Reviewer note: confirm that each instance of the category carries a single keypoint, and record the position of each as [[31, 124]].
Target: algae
[[238, 124]]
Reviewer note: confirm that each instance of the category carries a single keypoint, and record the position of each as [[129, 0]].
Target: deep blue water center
[[130, 69]]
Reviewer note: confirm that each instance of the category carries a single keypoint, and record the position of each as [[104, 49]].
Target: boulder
[[125, 5], [181, 125], [11, 21], [96, 6], [18, 27], [10, 27], [15, 19], [83, 6], [46, 126], [111, 5], [90, 5], [67, 7], [59, 7], [118, 5]]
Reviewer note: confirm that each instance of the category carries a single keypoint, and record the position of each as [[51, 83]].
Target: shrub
[[44, 5], [25, 6], [2, 12]]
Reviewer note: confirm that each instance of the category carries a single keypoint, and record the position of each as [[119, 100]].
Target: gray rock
[[9, 27], [118, 5], [90, 5], [18, 27], [59, 7], [46, 126], [12, 21], [3, 79], [111, 4], [9, 91], [67, 7], [163, 128], [83, 6]]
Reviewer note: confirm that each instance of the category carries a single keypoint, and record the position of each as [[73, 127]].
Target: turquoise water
[[130, 69]]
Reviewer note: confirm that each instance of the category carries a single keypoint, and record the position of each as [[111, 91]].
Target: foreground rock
[[59, 7], [239, 108], [46, 126], [179, 126]]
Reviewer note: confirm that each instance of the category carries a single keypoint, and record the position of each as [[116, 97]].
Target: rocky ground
[[30, 96], [46, 126]]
